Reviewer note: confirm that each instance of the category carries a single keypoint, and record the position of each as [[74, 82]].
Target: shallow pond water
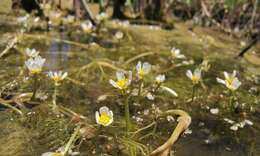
[[91, 60]]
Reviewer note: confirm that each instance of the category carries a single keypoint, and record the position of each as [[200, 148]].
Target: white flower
[[176, 53], [31, 52], [231, 81], [143, 69], [122, 82], [195, 77], [160, 78], [61, 152], [234, 127], [150, 96], [87, 26], [229, 121], [119, 35], [102, 16], [57, 76], [169, 90], [104, 116], [35, 64], [69, 19], [214, 111], [248, 122]]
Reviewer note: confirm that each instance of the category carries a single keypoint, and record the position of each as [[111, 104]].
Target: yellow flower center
[[229, 83], [56, 78], [104, 118], [122, 83], [36, 71], [141, 73], [195, 79]]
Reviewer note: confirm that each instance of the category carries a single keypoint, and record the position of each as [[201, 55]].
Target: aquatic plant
[[57, 77], [34, 66], [104, 116], [232, 83], [142, 70], [122, 84], [195, 77]]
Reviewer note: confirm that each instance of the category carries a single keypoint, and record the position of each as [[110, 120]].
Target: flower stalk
[[54, 98], [193, 92], [35, 87], [127, 114]]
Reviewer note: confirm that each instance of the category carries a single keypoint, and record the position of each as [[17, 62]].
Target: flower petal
[[139, 66], [189, 74], [104, 110], [221, 81], [113, 83], [120, 75], [97, 117], [146, 67]]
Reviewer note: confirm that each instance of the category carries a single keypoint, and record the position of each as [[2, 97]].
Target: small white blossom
[[195, 76], [104, 116], [143, 69], [214, 110], [160, 78], [176, 53], [231, 81], [35, 64], [150, 96], [122, 82], [119, 35], [87, 26], [57, 76]]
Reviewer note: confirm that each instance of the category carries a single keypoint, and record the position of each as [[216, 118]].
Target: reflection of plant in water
[[232, 83]]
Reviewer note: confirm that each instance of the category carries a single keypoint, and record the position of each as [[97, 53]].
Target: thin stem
[[140, 88], [231, 100], [127, 114], [35, 87], [193, 93], [72, 139], [54, 98]]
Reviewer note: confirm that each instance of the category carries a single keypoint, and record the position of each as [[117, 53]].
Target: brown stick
[[184, 122]]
